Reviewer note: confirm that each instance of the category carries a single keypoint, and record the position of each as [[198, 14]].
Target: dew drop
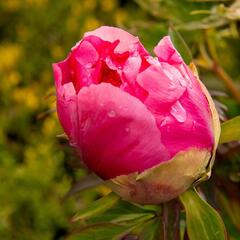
[[127, 129], [185, 81], [86, 124], [84, 79], [153, 60], [168, 128], [194, 124], [168, 74], [112, 114], [89, 65], [178, 112], [72, 73], [165, 121], [182, 82]]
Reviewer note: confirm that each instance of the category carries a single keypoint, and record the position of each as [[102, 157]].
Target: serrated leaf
[[99, 206], [180, 45], [203, 221], [152, 230], [102, 231], [230, 130]]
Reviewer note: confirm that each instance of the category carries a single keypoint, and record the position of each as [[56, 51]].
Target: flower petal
[[176, 98], [117, 134], [127, 42], [66, 104], [166, 52], [162, 90]]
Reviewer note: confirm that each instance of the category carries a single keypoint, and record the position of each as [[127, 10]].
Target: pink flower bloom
[[130, 113]]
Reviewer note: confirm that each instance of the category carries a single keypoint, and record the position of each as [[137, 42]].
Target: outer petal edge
[[215, 118], [164, 181]]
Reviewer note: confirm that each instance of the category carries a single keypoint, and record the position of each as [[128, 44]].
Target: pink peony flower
[[145, 124]]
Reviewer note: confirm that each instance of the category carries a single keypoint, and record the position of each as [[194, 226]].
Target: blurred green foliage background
[[36, 168]]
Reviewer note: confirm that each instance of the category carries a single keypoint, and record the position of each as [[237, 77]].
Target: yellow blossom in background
[[91, 23], [89, 5], [23, 32], [26, 97], [120, 17], [10, 54], [50, 126], [38, 3], [13, 78], [107, 6], [57, 52], [76, 9], [11, 5]]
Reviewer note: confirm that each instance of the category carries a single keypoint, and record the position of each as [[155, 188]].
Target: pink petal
[[162, 90], [166, 52], [66, 104], [127, 42], [188, 122], [117, 134], [86, 54]]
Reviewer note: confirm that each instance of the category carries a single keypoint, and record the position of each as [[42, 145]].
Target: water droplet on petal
[[72, 73], [112, 114], [153, 60], [178, 112], [168, 74], [165, 121], [85, 79], [85, 125], [182, 82], [127, 129], [89, 65], [185, 81], [194, 124], [168, 128]]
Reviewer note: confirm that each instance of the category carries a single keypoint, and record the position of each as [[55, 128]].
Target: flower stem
[[171, 220]]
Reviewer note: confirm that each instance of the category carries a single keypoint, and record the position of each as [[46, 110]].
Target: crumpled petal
[[117, 134], [127, 42], [177, 101]]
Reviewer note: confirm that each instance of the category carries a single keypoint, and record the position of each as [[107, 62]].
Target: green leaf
[[152, 230], [97, 207], [180, 44], [102, 231], [125, 213], [203, 221], [86, 182], [230, 130], [231, 207]]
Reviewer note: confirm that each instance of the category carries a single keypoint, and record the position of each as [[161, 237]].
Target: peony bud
[[145, 124]]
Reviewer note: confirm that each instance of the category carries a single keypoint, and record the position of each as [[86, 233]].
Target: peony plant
[[144, 124]]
